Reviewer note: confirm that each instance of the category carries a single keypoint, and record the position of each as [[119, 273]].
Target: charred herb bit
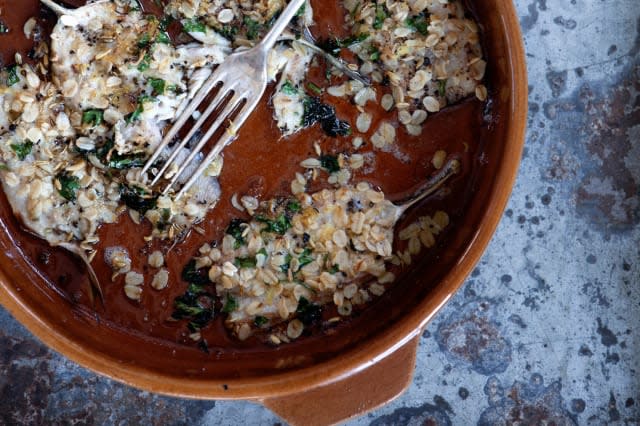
[[103, 152], [317, 112], [203, 346], [69, 184], [253, 28], [137, 199], [95, 117], [289, 89], [235, 229], [308, 312], [330, 163], [198, 277], [287, 263], [279, 225], [12, 75], [334, 45], [175, 89], [381, 16], [196, 305], [245, 262], [22, 149], [260, 321], [194, 26], [230, 305]]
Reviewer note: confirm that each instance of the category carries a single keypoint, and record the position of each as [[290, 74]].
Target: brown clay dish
[[374, 352]]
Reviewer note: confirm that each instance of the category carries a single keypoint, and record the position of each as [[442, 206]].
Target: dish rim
[[366, 352]]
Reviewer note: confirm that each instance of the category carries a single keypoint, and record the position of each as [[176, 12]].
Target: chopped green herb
[[306, 257], [134, 6], [253, 28], [228, 31], [374, 53], [175, 89], [245, 262], [314, 88], [12, 76], [263, 251], [418, 23], [158, 85], [260, 321], [330, 163], [3, 28], [235, 229], [302, 10], [294, 206], [4, 167], [280, 225], [163, 38], [136, 199], [145, 63], [144, 40], [230, 305], [381, 16], [334, 269], [194, 26], [22, 149], [442, 87], [94, 117], [289, 89], [135, 115], [308, 312], [123, 162], [69, 184]]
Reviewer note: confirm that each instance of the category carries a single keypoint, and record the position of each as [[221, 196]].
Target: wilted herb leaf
[[69, 184], [22, 149]]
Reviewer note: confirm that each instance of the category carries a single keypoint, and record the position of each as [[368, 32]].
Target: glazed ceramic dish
[[373, 353]]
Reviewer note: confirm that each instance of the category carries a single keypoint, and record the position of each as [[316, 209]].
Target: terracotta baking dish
[[327, 379]]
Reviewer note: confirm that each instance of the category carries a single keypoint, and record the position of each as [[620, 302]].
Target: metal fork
[[241, 77]]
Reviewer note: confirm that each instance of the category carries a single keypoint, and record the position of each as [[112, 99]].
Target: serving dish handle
[[352, 396]]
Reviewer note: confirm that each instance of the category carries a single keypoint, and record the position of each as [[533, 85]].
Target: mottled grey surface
[[546, 328]]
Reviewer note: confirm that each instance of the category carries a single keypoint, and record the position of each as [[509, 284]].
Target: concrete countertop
[[546, 327]]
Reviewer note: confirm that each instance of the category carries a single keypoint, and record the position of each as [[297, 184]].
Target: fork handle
[[281, 23]]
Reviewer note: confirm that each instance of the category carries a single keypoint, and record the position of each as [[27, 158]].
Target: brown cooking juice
[[260, 163]]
